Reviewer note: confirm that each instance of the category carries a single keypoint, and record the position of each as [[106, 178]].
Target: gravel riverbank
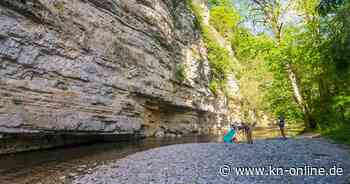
[[201, 163]]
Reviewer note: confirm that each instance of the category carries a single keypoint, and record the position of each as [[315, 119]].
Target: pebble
[[72, 175], [62, 178], [201, 163]]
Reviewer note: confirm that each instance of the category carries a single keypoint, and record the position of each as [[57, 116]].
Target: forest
[[293, 58]]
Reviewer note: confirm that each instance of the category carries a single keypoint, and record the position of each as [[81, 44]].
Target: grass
[[295, 129], [339, 133]]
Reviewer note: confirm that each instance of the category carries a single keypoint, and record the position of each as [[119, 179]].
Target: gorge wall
[[101, 67]]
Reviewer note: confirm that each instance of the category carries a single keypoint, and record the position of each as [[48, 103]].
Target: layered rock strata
[[103, 67]]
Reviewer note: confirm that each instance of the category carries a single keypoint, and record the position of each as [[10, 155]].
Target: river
[[57, 166]]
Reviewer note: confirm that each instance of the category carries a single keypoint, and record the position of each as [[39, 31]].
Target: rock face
[[103, 67]]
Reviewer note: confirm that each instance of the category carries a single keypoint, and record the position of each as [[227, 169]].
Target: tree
[[308, 56], [271, 13], [335, 29]]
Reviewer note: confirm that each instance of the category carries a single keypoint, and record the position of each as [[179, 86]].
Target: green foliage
[[247, 46], [214, 86], [316, 46], [220, 2], [218, 56], [329, 6], [180, 73], [251, 72], [335, 66], [278, 99], [340, 101], [219, 60], [224, 19], [339, 133], [197, 11]]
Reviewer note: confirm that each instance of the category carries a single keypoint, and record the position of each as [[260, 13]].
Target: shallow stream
[[56, 166]]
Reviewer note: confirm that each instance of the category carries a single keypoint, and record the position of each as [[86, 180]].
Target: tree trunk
[[309, 122]]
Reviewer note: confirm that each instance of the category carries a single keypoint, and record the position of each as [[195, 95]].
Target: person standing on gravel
[[281, 124]]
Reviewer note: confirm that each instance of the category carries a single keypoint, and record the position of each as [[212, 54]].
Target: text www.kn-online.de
[[227, 170]]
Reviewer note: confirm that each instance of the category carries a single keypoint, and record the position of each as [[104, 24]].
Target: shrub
[[224, 19], [180, 73], [218, 56], [339, 133], [213, 86]]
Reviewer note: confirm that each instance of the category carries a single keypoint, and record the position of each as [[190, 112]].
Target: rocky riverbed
[[202, 163]]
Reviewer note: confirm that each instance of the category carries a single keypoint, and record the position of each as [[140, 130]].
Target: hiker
[[281, 124], [248, 131], [242, 129]]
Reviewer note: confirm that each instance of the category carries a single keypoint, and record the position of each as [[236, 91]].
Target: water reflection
[[57, 166]]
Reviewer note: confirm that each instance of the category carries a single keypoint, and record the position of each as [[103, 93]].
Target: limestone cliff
[[103, 67]]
